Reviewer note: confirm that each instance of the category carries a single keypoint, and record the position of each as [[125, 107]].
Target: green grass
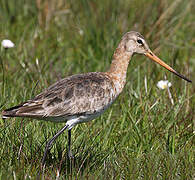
[[142, 135]]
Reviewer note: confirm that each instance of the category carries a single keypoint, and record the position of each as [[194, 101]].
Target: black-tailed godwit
[[83, 97]]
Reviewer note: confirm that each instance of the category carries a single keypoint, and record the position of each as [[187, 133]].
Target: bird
[[83, 97]]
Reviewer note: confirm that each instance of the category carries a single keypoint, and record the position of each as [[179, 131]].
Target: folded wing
[[75, 95]]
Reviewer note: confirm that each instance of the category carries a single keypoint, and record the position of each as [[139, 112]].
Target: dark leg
[[50, 142], [69, 144]]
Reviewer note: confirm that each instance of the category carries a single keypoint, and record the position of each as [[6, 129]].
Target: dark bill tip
[[181, 76]]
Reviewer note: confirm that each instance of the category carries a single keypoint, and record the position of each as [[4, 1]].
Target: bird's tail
[[23, 110], [11, 112]]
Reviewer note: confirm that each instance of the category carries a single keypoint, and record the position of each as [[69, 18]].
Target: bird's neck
[[118, 68]]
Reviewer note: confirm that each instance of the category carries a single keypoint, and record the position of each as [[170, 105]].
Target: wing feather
[[77, 94]]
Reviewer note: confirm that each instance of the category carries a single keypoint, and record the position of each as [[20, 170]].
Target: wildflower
[[81, 32], [163, 84], [6, 43]]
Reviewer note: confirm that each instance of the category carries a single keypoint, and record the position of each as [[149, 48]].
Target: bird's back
[[78, 95]]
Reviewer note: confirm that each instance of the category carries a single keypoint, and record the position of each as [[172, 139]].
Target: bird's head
[[134, 42]]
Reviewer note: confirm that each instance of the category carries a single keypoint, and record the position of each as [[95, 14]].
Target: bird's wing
[[74, 95]]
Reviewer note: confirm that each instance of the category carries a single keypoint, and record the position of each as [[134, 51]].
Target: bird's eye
[[139, 41]]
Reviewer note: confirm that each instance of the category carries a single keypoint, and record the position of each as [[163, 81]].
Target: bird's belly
[[84, 118], [75, 119], [81, 119]]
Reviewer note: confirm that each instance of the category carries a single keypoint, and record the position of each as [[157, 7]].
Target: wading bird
[[83, 97]]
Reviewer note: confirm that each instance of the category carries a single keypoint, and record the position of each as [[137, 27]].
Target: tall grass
[[142, 135]]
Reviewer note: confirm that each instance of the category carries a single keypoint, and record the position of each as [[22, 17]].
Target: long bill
[[153, 57]]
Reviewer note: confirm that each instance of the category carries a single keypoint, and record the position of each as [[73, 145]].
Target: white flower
[[81, 32], [6, 43], [163, 84]]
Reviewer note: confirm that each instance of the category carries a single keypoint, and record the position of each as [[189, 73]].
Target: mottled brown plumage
[[83, 94], [83, 97]]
